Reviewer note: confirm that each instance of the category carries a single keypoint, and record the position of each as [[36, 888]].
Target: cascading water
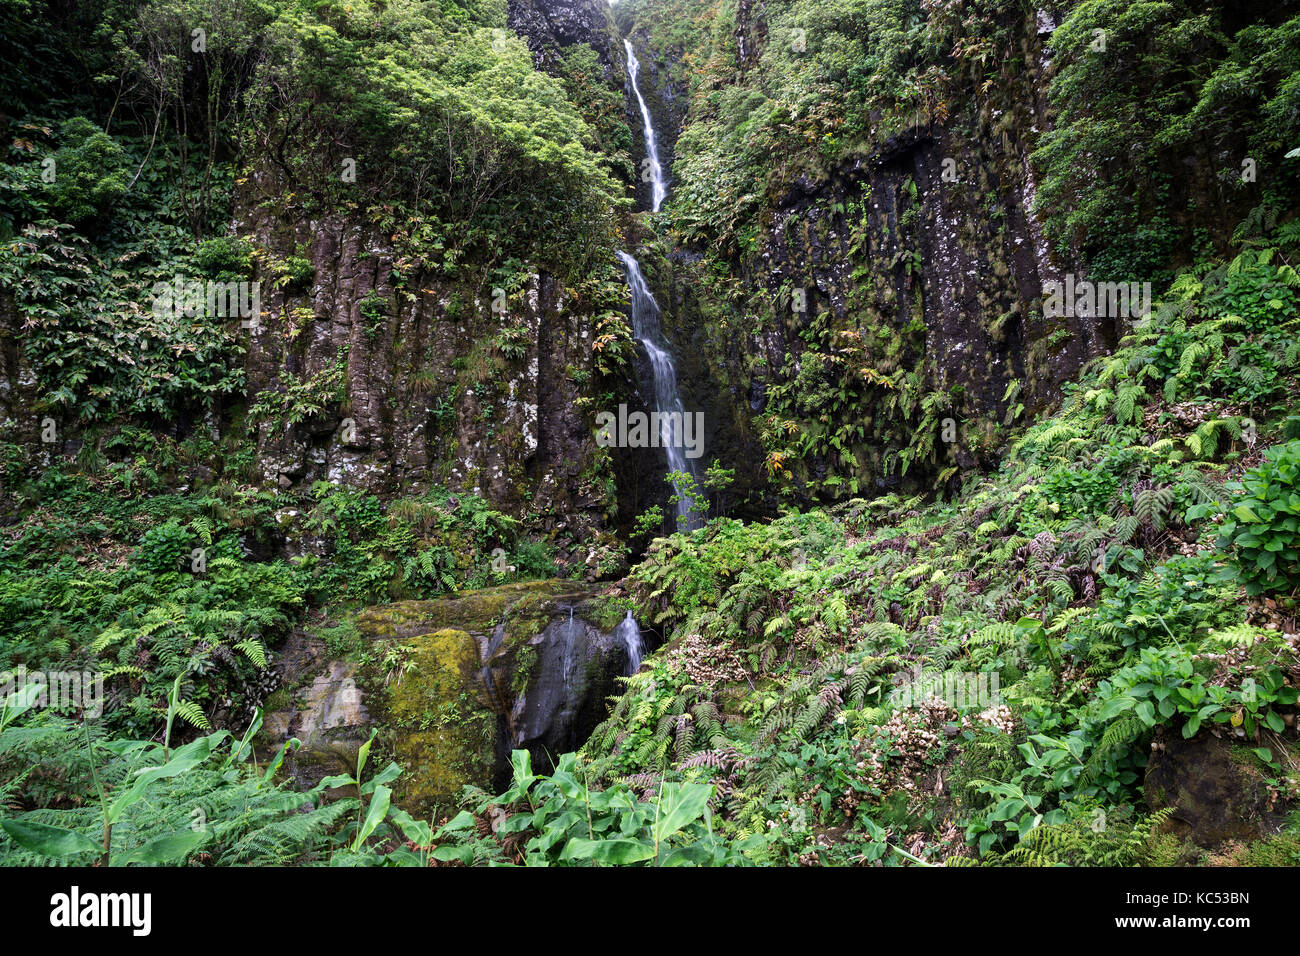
[[569, 636], [645, 319], [645, 326], [629, 632], [570, 686], [498, 637], [658, 188]]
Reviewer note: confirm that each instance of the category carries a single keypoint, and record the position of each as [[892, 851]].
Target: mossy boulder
[[472, 611], [455, 684], [443, 733]]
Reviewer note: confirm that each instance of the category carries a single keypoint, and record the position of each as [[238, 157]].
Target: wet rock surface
[[928, 247], [1215, 787], [325, 711], [547, 26], [453, 685], [424, 396]]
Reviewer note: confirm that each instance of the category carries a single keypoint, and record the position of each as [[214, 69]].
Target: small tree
[[717, 480], [650, 522], [686, 488]]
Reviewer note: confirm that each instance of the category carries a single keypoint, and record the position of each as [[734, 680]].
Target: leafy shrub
[[1177, 600], [1249, 374], [204, 802], [534, 559], [566, 824], [226, 258], [297, 273], [163, 548], [1264, 524], [1075, 491], [90, 171], [93, 351], [414, 547], [1255, 294]]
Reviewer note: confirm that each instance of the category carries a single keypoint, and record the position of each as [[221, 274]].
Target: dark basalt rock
[[411, 418], [548, 25], [941, 248], [1216, 790]]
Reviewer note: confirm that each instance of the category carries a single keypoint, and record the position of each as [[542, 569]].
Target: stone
[[453, 685], [1216, 787]]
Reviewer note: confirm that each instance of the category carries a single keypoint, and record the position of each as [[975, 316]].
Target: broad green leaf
[[679, 806], [614, 852], [374, 815], [418, 832], [387, 775], [183, 759], [364, 753], [47, 840], [694, 855], [462, 821], [169, 848], [448, 853]]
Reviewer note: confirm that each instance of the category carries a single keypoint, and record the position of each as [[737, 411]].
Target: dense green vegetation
[[964, 631], [1099, 572]]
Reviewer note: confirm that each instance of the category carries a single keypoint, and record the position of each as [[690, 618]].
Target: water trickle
[[629, 632], [498, 637], [645, 326], [569, 636], [658, 188]]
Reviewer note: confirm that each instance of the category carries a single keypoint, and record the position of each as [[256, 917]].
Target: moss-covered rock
[[442, 731], [473, 611], [454, 684]]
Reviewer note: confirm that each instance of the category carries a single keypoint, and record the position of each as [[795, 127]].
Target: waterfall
[[493, 645], [569, 636], [629, 632], [658, 189], [645, 326]]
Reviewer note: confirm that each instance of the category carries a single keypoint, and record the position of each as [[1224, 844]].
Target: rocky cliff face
[[395, 379], [547, 26], [419, 381], [663, 85], [925, 250]]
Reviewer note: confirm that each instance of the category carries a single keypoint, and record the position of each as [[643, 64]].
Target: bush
[[534, 559], [563, 823], [1078, 491], [227, 258], [162, 549], [1264, 525], [90, 171], [299, 273]]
